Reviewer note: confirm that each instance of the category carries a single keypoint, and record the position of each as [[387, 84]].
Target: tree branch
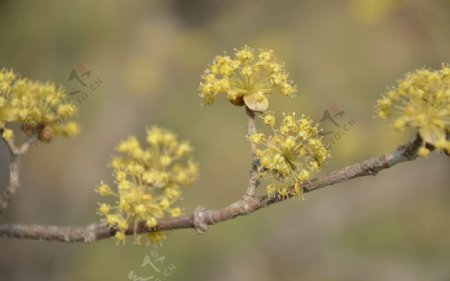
[[253, 175], [99, 231], [14, 171]]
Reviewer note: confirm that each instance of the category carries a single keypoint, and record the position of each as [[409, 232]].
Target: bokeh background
[[149, 56]]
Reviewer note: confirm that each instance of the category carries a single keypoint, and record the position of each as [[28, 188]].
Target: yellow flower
[[155, 237], [271, 189], [248, 78], [8, 134], [151, 222], [149, 179], [423, 151], [175, 212], [104, 209], [120, 236], [283, 192], [257, 138], [140, 210], [421, 101], [164, 204], [103, 189], [269, 119], [40, 108], [66, 130], [290, 154]]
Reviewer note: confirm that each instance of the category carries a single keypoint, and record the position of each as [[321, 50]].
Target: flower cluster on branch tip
[[421, 100], [247, 78], [148, 182], [40, 108], [290, 153]]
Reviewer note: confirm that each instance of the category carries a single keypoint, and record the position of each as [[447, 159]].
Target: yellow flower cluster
[[290, 153], [148, 180], [422, 101], [247, 78], [39, 107]]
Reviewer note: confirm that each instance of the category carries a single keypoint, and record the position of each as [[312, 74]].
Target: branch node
[[248, 204], [89, 236], [370, 170], [200, 223]]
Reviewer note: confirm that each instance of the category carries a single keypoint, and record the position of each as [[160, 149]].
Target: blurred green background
[[149, 56]]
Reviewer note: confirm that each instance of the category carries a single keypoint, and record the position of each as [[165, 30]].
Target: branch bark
[[253, 175], [242, 207], [14, 171]]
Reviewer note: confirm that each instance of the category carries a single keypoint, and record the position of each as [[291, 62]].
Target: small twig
[[253, 174], [369, 167], [204, 217], [251, 127], [14, 171]]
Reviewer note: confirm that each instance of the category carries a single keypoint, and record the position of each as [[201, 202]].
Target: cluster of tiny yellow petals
[[8, 134], [247, 78], [421, 100], [148, 181], [40, 108], [290, 154], [156, 237]]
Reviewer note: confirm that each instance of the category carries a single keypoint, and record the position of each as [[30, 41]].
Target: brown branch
[[14, 171], [96, 232]]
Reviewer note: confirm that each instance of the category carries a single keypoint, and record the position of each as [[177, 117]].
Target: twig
[[14, 171], [253, 175], [96, 232]]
